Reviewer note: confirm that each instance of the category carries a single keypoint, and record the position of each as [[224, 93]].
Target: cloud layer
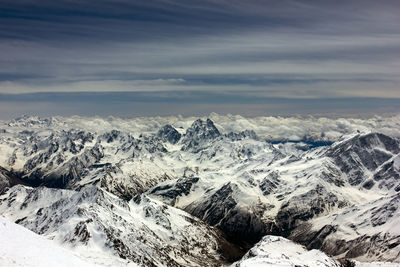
[[278, 49], [188, 103], [268, 127]]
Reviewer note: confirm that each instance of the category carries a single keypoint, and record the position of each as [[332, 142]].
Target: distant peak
[[209, 122], [206, 128], [370, 140], [169, 133], [200, 131]]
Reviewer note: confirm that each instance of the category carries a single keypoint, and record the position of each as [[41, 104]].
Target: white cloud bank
[[293, 128]]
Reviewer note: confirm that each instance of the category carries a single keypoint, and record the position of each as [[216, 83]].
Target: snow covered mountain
[[191, 194], [363, 232], [279, 251], [105, 228]]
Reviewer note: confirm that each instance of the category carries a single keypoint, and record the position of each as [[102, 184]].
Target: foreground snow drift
[[21, 247]]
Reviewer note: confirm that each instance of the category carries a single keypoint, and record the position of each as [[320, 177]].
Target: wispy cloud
[[283, 49], [187, 103]]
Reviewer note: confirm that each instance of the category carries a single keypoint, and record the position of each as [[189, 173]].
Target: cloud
[[267, 127], [239, 49], [319, 128], [188, 103]]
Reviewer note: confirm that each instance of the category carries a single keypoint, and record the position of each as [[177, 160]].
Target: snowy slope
[[363, 232], [21, 247], [279, 251], [108, 229]]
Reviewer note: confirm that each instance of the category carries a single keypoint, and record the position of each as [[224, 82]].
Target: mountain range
[[194, 194]]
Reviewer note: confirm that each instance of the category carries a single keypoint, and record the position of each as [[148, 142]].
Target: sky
[[167, 57]]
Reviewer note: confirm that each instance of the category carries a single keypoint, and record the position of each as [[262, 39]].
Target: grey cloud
[[278, 49], [187, 103]]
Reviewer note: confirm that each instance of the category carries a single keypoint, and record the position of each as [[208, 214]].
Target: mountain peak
[[370, 141], [200, 131], [362, 152], [205, 128], [169, 133]]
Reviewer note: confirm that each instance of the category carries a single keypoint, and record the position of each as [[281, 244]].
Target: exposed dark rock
[[4, 180], [363, 245], [397, 188], [20, 220], [362, 152], [169, 133], [221, 210], [368, 184], [382, 214], [388, 176], [198, 132], [332, 175], [242, 135], [111, 136], [81, 232], [242, 225], [301, 208], [375, 245], [65, 175], [346, 262], [214, 208], [9, 179], [171, 192], [270, 183], [151, 144], [319, 237]]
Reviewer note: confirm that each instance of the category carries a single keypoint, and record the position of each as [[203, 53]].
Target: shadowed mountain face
[[169, 133], [199, 133], [231, 189], [364, 153], [5, 180]]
